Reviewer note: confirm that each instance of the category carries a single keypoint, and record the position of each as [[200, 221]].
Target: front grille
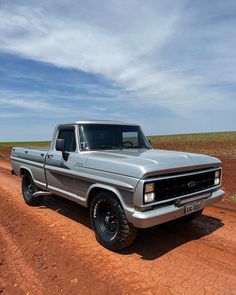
[[182, 185]]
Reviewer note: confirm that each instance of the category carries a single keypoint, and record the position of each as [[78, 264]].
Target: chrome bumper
[[166, 213]]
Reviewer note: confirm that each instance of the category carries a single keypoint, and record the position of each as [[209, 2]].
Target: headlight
[[149, 192], [149, 187], [149, 197], [217, 177]]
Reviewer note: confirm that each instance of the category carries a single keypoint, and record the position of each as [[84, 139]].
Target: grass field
[[221, 144], [25, 143]]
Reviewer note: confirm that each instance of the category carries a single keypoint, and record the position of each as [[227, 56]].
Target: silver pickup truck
[[111, 168]]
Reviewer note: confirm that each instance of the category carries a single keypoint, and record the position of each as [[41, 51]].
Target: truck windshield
[[104, 136]]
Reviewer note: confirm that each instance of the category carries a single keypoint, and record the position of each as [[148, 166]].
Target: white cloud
[[6, 115], [34, 104], [131, 43]]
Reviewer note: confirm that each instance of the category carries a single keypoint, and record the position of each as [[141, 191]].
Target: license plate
[[194, 206]]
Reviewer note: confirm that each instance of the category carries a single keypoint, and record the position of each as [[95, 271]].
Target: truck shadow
[[68, 209], [154, 242], [150, 243]]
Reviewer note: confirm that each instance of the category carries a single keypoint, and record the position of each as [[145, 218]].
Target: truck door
[[58, 170]]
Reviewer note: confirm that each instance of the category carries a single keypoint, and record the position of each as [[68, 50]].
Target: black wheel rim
[[106, 221]]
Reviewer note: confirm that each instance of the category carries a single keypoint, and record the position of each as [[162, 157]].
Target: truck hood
[[141, 163]]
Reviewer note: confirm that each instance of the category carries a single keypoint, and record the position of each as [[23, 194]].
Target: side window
[[69, 136]]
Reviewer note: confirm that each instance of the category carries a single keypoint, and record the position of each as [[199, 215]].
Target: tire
[[191, 216], [108, 220], [28, 188]]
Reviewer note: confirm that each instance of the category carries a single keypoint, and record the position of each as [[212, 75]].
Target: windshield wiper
[[132, 147], [103, 146]]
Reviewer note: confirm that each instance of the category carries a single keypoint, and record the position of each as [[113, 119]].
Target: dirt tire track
[[22, 273], [57, 248]]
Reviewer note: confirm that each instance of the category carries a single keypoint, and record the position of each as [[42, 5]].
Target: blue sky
[[167, 65]]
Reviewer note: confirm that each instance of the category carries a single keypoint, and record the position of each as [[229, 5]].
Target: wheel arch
[[24, 170], [95, 188]]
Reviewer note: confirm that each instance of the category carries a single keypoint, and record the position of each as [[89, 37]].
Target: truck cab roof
[[108, 122]]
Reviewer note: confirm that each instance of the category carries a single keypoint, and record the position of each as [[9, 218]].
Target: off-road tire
[[28, 188], [118, 235]]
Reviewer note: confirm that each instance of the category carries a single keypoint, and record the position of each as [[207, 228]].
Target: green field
[[222, 144], [26, 143], [197, 137]]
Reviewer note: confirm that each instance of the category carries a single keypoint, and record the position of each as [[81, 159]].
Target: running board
[[41, 194]]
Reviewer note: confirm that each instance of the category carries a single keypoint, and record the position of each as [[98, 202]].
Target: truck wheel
[[28, 188], [191, 216], [109, 222]]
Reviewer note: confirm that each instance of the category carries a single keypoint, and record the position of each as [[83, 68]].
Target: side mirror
[[61, 145], [150, 141]]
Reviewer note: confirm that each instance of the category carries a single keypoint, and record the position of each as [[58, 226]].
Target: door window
[[69, 136]]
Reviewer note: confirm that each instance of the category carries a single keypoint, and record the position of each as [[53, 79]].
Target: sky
[[169, 66]]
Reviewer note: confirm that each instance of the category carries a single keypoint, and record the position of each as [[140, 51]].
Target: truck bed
[[30, 159], [33, 154]]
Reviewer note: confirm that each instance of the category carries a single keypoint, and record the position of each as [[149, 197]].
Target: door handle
[[50, 156]]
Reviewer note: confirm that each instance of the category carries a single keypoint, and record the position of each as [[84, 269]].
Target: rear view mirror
[[60, 145]]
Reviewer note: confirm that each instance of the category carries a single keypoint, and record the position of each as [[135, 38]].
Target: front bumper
[[166, 213]]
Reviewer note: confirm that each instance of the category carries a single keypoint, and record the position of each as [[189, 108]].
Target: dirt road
[[52, 250]]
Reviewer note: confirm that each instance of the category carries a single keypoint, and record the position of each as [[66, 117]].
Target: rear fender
[[25, 169]]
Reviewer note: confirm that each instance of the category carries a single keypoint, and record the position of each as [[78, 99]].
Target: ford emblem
[[192, 184]]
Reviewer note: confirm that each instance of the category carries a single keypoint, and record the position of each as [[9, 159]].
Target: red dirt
[[52, 250]]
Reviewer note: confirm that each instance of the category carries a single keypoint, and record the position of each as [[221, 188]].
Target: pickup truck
[[111, 168]]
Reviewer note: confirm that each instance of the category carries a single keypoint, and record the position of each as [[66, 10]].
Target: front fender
[[127, 209]]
